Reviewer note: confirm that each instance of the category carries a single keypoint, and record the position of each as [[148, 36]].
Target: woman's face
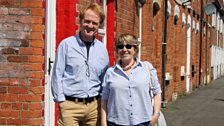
[[126, 52]]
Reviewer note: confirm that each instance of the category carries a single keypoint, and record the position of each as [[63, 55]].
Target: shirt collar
[[81, 42], [138, 62]]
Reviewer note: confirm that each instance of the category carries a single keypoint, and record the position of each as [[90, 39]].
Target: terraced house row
[[185, 44]]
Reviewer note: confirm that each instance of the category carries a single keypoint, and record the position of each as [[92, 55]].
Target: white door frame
[[188, 66], [49, 110]]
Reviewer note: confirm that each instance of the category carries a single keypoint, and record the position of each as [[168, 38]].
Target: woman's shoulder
[[112, 68], [147, 63]]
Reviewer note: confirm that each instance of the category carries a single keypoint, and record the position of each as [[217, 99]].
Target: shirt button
[[130, 104], [131, 114], [129, 95]]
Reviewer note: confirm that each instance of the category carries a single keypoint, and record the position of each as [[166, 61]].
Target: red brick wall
[[22, 62], [152, 38], [126, 17]]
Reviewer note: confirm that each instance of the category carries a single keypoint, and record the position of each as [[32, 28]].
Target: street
[[203, 107]]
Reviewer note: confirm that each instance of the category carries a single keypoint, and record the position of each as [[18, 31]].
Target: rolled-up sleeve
[[58, 70], [105, 86], [106, 60], [155, 81]]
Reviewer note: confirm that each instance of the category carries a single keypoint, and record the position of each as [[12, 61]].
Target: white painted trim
[[188, 66], [140, 31], [49, 112], [103, 32], [217, 62], [105, 22]]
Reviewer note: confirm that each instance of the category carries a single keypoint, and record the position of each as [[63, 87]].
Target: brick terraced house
[[185, 44]]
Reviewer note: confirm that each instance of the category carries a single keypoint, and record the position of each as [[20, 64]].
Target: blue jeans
[[141, 124]]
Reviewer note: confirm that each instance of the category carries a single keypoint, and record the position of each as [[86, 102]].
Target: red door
[[66, 26]]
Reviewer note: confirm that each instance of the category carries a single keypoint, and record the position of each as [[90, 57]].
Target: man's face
[[89, 25]]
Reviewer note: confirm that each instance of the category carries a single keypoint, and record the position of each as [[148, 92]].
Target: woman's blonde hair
[[96, 8]]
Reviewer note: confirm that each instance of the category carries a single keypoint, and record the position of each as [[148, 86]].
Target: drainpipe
[[140, 29], [201, 32], [164, 55], [206, 63]]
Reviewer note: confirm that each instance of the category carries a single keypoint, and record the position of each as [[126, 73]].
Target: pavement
[[202, 107]]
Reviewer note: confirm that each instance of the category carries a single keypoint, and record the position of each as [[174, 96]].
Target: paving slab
[[202, 107]]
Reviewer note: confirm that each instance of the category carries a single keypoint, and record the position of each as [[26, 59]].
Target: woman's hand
[[154, 119], [157, 106]]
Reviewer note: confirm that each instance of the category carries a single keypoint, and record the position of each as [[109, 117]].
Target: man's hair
[[96, 8]]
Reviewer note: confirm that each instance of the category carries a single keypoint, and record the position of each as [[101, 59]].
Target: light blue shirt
[[127, 95], [76, 75]]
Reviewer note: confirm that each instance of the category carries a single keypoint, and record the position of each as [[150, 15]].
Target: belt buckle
[[88, 100]]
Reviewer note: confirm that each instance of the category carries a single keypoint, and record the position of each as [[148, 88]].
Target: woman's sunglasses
[[126, 46]]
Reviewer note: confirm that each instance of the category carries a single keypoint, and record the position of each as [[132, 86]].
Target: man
[[79, 67]]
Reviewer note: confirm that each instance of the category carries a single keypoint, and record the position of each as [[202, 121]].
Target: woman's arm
[[157, 106], [103, 112]]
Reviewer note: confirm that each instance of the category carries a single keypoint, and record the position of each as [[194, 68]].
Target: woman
[[125, 97]]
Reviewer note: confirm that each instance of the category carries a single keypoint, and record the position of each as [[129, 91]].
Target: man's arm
[[57, 74]]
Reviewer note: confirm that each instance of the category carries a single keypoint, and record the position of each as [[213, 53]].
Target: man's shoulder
[[99, 42], [69, 39], [100, 45]]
